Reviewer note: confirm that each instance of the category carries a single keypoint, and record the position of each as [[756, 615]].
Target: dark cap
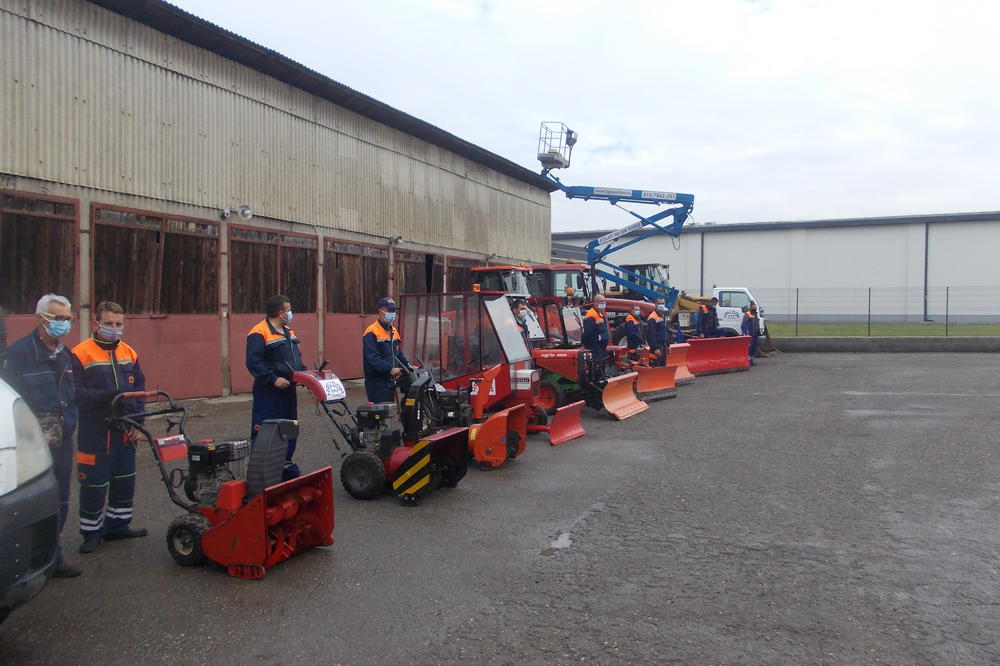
[[387, 303]]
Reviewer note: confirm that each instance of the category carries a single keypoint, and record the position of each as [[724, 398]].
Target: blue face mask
[[661, 307], [288, 316], [390, 317], [109, 334], [57, 329]]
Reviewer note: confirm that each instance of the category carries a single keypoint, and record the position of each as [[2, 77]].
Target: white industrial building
[[830, 265]]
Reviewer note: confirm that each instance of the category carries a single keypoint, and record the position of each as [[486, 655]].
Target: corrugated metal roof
[[992, 216], [176, 22]]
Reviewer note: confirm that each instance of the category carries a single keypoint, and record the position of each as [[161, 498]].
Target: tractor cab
[[513, 280]]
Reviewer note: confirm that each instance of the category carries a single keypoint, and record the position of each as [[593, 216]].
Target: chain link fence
[[880, 311]]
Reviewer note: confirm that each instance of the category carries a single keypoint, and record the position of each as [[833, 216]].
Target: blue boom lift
[[555, 149]]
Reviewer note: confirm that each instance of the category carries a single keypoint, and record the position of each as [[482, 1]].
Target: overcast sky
[[766, 110]]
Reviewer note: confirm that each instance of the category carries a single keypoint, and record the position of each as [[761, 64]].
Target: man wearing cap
[[383, 358]]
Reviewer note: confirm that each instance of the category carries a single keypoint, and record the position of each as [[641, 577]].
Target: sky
[[765, 110]]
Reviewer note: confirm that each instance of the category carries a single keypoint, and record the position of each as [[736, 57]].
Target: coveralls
[[44, 378], [271, 354], [708, 322], [596, 337], [381, 353], [105, 458], [751, 326], [633, 336], [659, 337]]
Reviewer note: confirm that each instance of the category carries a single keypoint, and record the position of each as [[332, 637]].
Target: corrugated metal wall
[[90, 98]]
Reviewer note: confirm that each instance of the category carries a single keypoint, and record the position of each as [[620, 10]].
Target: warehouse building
[[151, 158], [908, 268]]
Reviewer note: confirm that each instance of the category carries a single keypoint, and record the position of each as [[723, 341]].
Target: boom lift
[[555, 150]]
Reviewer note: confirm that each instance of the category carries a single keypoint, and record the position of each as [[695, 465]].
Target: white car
[[29, 504]]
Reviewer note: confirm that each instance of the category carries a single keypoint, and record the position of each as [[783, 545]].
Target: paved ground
[[822, 508]]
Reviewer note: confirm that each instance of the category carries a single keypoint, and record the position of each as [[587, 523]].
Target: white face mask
[[601, 306], [636, 312]]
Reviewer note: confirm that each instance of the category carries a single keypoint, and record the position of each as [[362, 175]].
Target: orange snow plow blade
[[709, 356], [619, 398], [503, 435], [678, 358], [655, 383], [564, 426]]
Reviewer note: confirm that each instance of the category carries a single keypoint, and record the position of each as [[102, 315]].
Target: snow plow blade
[[678, 358], [564, 426], [283, 520], [500, 437], [619, 398], [655, 383], [709, 356]]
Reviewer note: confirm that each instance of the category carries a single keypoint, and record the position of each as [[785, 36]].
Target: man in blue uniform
[[596, 335], [272, 356], [382, 356], [634, 338], [751, 326], [708, 320], [40, 369], [103, 367], [659, 333]]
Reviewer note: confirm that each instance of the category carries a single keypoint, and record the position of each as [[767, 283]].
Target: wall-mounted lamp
[[395, 240], [491, 256], [245, 212]]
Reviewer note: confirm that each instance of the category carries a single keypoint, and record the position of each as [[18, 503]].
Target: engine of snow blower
[[212, 463]]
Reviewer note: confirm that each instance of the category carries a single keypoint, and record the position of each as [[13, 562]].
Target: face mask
[[57, 329], [661, 308], [636, 312], [520, 316], [288, 316], [601, 306], [390, 317], [109, 334]]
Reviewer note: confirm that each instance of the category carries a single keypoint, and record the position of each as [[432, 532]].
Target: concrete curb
[[890, 344]]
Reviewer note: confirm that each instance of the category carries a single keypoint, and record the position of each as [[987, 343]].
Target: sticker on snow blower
[[414, 476], [493, 388], [334, 389]]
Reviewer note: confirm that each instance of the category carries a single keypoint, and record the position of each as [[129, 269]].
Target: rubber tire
[[539, 416], [363, 475], [452, 470], [190, 526], [557, 390]]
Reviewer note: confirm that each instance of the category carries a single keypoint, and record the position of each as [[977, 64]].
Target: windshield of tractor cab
[[507, 332], [573, 323], [563, 279]]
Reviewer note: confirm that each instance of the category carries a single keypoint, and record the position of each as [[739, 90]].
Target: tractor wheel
[[184, 539], [539, 416], [363, 475], [551, 396]]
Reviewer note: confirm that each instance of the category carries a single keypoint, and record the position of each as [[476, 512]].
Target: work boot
[[126, 534], [89, 544], [66, 570]]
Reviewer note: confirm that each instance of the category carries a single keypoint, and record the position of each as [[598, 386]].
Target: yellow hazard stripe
[[418, 485], [411, 472], [419, 446]]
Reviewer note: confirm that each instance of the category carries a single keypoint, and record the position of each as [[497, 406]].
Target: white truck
[[733, 303]]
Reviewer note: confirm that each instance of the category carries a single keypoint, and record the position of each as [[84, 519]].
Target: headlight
[[33, 456]]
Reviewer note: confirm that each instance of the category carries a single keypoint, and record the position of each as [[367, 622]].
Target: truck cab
[[733, 304]]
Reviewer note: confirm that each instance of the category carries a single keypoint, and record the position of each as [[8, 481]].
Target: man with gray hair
[[40, 369]]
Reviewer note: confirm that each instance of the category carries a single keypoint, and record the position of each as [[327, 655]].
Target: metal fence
[[882, 310]]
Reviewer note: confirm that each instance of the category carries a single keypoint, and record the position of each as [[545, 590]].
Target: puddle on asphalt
[[559, 543]]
